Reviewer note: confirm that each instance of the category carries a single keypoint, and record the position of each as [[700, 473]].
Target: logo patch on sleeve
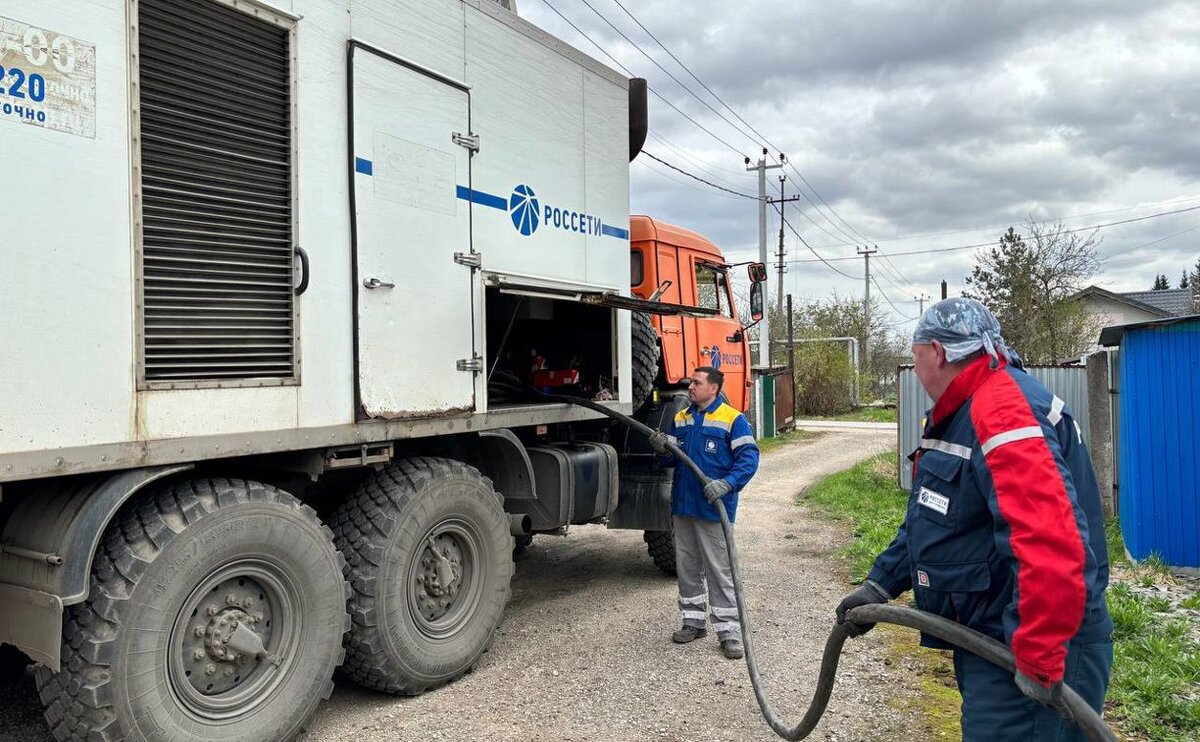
[[922, 578], [710, 445], [933, 500]]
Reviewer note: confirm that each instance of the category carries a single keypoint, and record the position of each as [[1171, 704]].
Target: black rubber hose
[[1085, 717]]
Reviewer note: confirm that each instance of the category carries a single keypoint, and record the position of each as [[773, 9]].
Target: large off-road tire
[[661, 547], [421, 619], [145, 657], [646, 353]]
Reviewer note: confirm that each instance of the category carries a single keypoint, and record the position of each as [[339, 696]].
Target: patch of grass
[[863, 415], [937, 707], [793, 436], [1116, 543], [866, 497], [1155, 688], [1192, 603]]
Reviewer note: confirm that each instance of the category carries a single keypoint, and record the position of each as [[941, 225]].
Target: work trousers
[[705, 578], [994, 708]]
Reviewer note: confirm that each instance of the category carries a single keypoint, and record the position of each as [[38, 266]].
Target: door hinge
[[472, 259], [474, 364], [470, 141]]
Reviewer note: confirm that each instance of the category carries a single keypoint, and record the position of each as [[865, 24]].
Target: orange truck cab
[[683, 267]]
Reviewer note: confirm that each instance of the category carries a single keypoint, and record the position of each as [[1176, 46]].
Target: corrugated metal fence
[[1068, 382]]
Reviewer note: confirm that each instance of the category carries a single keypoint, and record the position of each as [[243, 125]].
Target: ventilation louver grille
[[216, 184]]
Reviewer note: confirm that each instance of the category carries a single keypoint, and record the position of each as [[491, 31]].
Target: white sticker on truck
[[47, 79]]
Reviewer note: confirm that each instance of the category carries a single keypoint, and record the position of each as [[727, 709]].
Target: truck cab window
[[712, 290], [637, 268]]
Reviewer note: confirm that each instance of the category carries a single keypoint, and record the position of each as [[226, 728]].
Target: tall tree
[[1183, 280], [1160, 283], [1028, 284]]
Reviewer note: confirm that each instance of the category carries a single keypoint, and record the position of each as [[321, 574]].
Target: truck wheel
[[661, 546], [216, 612], [645, 358], [430, 559]]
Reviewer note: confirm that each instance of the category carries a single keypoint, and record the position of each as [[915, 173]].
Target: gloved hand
[[716, 489], [867, 593], [1051, 696], [658, 441]]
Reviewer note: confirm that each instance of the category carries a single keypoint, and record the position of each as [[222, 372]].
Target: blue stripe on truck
[[366, 167], [617, 232], [483, 199]]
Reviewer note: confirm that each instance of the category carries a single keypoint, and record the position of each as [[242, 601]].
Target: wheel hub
[[211, 664], [439, 576]]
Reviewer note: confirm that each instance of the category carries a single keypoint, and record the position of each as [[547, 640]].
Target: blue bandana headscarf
[[964, 327]]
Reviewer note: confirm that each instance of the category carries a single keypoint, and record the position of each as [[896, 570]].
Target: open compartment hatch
[[559, 345]]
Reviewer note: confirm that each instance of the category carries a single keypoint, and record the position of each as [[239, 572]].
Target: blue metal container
[[1159, 399]]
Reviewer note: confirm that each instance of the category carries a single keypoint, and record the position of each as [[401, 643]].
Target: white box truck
[[277, 276]]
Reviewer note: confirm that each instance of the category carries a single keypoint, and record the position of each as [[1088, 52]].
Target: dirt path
[[584, 652]]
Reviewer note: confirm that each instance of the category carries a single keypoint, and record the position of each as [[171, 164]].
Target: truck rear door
[[414, 303]]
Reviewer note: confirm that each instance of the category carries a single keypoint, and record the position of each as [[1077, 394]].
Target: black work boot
[[689, 633], [732, 648]]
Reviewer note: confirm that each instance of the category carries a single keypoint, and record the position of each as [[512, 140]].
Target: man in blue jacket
[[719, 439], [1004, 532]]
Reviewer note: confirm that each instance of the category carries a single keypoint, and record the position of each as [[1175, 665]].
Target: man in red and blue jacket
[[1004, 532]]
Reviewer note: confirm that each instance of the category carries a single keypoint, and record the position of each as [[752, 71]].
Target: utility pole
[[944, 287], [781, 266], [920, 300], [867, 252], [764, 332]]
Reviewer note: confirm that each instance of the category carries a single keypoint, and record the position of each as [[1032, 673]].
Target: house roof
[[1129, 299], [1111, 336], [1176, 301]]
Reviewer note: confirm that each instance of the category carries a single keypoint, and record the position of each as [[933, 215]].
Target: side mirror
[[758, 272], [756, 300]]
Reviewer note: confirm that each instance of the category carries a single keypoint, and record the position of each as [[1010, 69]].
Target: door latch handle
[[375, 283]]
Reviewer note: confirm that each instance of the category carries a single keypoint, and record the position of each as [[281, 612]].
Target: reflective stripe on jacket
[[720, 441]]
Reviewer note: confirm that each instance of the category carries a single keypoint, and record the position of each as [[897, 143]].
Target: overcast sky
[[922, 125]]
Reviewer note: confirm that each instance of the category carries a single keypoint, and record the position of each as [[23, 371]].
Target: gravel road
[[584, 652]]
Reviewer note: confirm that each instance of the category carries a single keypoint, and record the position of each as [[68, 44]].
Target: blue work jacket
[[720, 441]]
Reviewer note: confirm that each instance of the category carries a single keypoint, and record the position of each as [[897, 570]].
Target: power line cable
[[993, 242], [736, 115], [708, 168], [889, 301], [1047, 220], [654, 157], [667, 72], [627, 72], [689, 71], [662, 173], [810, 247]]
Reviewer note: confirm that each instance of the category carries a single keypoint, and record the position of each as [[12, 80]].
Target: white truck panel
[[180, 413], [549, 118], [326, 346], [426, 32], [66, 287]]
